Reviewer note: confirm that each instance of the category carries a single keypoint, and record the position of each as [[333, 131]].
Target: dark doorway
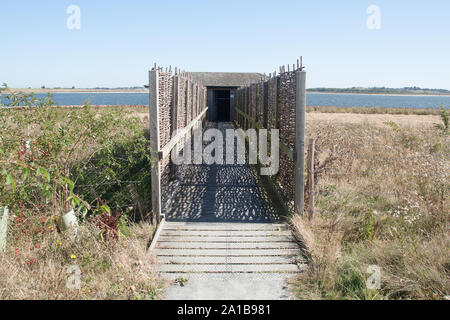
[[222, 102]]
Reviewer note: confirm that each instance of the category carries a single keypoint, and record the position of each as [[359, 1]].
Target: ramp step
[[241, 239], [223, 252], [235, 276], [263, 249], [277, 268], [224, 227], [225, 245], [227, 260], [229, 233]]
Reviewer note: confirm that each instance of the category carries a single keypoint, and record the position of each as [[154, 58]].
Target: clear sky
[[120, 40]]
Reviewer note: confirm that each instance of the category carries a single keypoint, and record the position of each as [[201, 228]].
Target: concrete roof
[[226, 79]]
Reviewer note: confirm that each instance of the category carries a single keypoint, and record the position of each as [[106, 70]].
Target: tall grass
[[383, 202], [373, 110], [121, 271], [100, 152]]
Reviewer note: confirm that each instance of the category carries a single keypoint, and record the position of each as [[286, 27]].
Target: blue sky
[[120, 40]]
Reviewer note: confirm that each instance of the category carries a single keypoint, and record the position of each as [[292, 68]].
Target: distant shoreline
[[143, 90], [384, 94], [43, 91]]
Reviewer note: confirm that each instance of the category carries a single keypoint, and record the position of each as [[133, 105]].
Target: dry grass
[[380, 120], [383, 202], [37, 260], [372, 110], [119, 270]]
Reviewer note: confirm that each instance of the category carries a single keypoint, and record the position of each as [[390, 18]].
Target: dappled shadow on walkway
[[219, 193]]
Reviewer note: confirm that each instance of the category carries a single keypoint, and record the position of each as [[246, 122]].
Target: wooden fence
[[177, 107], [279, 102]]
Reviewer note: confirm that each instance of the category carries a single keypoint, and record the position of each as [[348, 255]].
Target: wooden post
[[192, 101], [197, 107], [175, 110], [4, 217], [155, 143], [311, 151], [300, 123], [188, 102]]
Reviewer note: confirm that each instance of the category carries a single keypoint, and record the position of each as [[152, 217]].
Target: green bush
[[55, 159]]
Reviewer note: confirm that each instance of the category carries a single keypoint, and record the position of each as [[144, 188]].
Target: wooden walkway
[[222, 225], [222, 249], [219, 193]]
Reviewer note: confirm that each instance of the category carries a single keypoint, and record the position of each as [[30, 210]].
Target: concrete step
[[225, 245], [224, 252], [243, 268]]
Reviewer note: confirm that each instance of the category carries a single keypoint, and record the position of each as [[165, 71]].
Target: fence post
[[3, 227], [311, 151], [174, 127], [300, 123], [155, 142]]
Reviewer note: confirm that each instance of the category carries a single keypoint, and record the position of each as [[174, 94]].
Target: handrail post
[[310, 183], [155, 143], [300, 124]]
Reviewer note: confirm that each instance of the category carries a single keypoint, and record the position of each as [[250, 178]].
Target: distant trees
[[383, 90]]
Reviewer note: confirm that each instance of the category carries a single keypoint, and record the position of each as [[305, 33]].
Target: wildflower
[[73, 256], [60, 244], [36, 246]]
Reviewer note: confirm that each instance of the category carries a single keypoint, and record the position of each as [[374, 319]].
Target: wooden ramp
[[265, 250], [223, 235]]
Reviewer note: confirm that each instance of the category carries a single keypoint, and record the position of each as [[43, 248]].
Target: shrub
[[384, 201], [56, 159]]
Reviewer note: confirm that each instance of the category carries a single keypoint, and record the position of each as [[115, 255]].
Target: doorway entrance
[[223, 105]]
